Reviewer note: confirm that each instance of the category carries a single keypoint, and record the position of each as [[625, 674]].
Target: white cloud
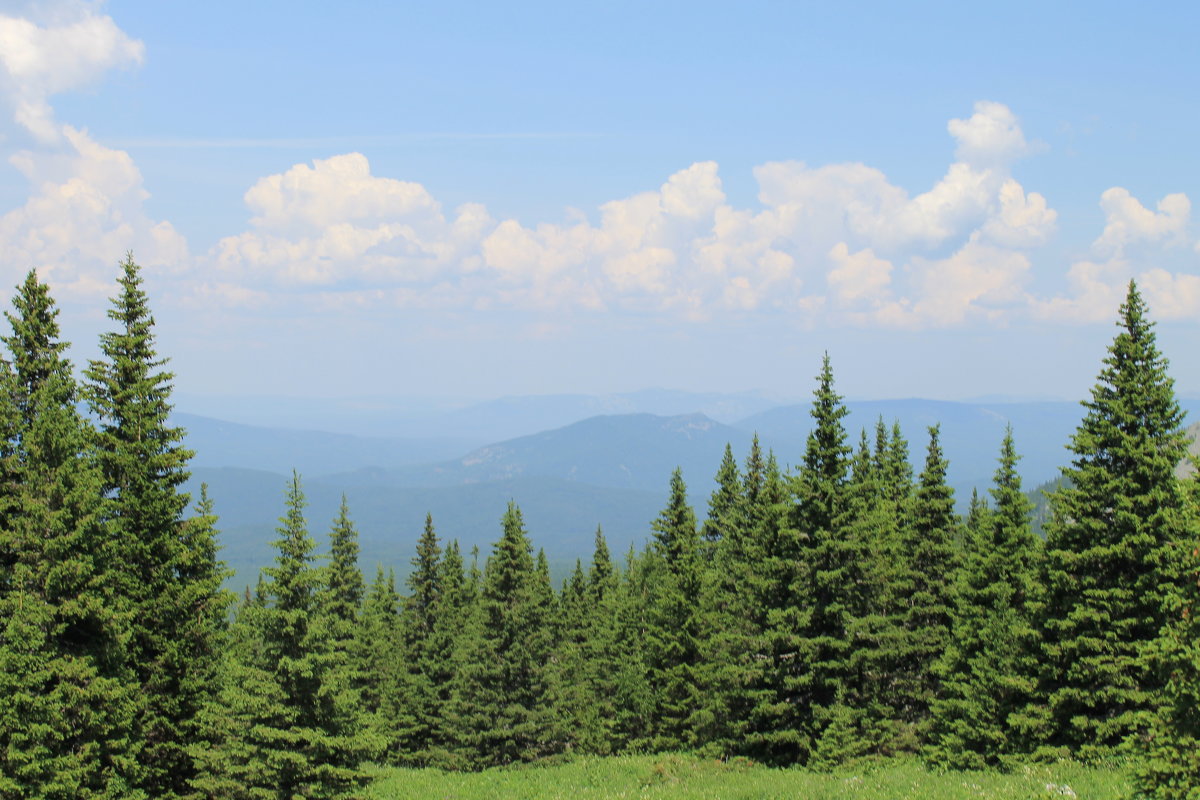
[[681, 248], [859, 279], [1171, 295], [73, 48], [1128, 221], [978, 282], [86, 202], [989, 137], [1096, 288], [1023, 220], [334, 222], [85, 212]]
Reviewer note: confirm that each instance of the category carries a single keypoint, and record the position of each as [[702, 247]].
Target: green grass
[[682, 777]]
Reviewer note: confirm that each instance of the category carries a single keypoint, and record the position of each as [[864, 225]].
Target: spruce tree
[[922, 589], [1113, 549], [726, 507], [835, 590], [501, 708], [416, 622], [169, 575], [451, 612], [69, 696], [381, 662], [776, 691], [867, 723], [1169, 766], [988, 670], [285, 723], [673, 632], [729, 626], [634, 691], [578, 702], [601, 648], [344, 589]]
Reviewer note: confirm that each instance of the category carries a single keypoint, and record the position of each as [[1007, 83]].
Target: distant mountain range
[[610, 470]]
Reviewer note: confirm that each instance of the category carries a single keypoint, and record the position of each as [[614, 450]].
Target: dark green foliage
[[451, 612], [420, 710], [730, 627], [1113, 550], [773, 686], [921, 591], [343, 590], [286, 723], [867, 715], [602, 651], [380, 660], [163, 567], [834, 586], [633, 691], [726, 506], [989, 669], [672, 633], [69, 700], [1170, 753], [501, 710], [578, 700]]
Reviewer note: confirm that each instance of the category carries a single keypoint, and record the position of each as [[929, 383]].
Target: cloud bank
[[834, 244]]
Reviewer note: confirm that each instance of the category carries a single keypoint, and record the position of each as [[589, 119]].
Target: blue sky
[[473, 200]]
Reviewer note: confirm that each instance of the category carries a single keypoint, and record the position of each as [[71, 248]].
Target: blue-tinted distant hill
[[626, 451], [477, 422], [218, 443], [611, 470], [561, 516]]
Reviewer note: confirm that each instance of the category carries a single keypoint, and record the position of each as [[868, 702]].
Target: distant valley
[[609, 470]]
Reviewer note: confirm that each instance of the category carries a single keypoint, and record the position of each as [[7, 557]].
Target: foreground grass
[[681, 777]]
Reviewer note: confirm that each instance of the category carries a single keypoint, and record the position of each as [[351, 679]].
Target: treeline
[[838, 611]]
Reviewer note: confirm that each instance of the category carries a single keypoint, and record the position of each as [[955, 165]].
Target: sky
[[471, 200]]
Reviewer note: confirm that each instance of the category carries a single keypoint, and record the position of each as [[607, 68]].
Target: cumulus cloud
[[843, 230], [85, 211], [859, 279], [86, 201], [73, 48], [334, 223], [1127, 221], [1097, 286], [991, 136]]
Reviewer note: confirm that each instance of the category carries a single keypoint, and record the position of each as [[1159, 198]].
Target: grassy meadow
[[682, 777]]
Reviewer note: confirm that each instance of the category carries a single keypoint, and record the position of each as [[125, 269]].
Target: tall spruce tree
[[989, 668], [169, 575], [69, 696], [601, 647], [730, 627], [286, 720], [381, 665], [634, 692], [834, 588], [775, 691], [502, 706], [922, 589], [1113, 549], [451, 612], [673, 633], [873, 629], [726, 507], [344, 588], [417, 621], [578, 701]]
